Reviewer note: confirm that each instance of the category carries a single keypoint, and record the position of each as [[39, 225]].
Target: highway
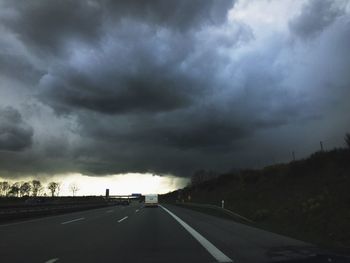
[[137, 234]]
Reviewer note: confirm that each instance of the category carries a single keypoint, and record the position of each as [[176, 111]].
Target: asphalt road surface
[[137, 234]]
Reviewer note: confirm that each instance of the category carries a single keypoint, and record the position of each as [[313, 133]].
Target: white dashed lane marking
[[74, 220], [122, 219], [51, 260]]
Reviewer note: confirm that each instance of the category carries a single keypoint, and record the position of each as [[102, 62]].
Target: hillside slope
[[307, 199]]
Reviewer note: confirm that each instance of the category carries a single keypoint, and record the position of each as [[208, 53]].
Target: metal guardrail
[[47, 204], [42, 211], [43, 208]]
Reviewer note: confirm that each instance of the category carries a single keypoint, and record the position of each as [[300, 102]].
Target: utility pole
[[321, 143], [293, 155]]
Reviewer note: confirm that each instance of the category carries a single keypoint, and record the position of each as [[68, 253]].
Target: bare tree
[[73, 187], [53, 187], [36, 187], [347, 140], [25, 188], [14, 189], [4, 188], [1, 191]]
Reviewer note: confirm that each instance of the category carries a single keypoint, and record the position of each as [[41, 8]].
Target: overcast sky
[[169, 87]]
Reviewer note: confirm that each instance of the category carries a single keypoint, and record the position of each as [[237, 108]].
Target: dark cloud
[[47, 26], [14, 60], [167, 86], [137, 68], [131, 61], [150, 88], [15, 134], [197, 129], [14, 66], [51, 26], [180, 15], [316, 16]]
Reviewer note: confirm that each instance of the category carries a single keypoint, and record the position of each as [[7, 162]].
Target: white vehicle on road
[[151, 200]]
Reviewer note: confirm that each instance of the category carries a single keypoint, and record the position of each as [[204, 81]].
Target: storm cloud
[[106, 87], [15, 134], [316, 16]]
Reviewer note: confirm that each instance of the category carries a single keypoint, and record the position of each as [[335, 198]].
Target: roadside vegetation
[[308, 199], [32, 188], [29, 199], [35, 192]]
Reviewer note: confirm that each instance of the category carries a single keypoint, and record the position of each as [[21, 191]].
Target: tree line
[[33, 188]]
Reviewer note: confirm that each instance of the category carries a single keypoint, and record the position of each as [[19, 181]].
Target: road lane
[[214, 251], [244, 243], [57, 218], [150, 235], [40, 240], [157, 237]]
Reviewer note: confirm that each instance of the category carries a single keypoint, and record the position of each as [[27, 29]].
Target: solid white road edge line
[[74, 220], [122, 219], [51, 260], [214, 251]]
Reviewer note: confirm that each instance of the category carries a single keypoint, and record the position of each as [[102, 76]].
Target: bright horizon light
[[120, 184]]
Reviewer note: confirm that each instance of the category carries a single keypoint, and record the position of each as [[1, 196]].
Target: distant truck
[[151, 200]]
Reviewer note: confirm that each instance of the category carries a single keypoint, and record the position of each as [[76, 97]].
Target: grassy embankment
[[307, 199]]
